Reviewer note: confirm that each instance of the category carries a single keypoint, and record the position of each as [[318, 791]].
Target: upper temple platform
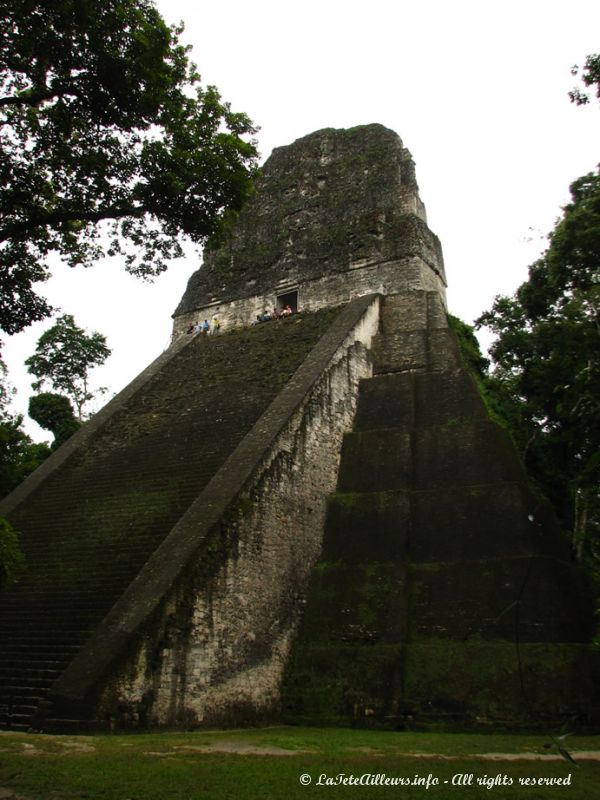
[[336, 215]]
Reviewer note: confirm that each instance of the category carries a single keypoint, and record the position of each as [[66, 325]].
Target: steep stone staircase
[[445, 592], [91, 525]]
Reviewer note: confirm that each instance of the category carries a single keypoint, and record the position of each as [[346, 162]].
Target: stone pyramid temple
[[311, 519]]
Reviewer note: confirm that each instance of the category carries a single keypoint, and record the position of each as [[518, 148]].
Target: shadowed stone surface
[[445, 593]]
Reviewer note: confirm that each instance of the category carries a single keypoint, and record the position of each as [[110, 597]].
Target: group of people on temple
[[204, 327], [207, 327], [277, 313]]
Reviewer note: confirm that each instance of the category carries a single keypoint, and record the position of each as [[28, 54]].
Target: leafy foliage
[[19, 456], [54, 412], [108, 144], [12, 561], [494, 393], [64, 356], [546, 357], [469, 346], [590, 76]]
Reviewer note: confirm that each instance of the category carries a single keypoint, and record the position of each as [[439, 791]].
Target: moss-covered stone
[[92, 524], [500, 683], [357, 603], [530, 599], [444, 579], [364, 527], [337, 684], [329, 199]]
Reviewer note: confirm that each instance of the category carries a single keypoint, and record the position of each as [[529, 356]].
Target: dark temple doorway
[[288, 299]]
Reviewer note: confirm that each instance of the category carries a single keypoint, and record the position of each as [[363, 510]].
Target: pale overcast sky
[[476, 90]]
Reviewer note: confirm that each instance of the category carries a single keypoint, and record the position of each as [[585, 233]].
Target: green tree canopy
[[590, 76], [12, 561], [19, 456], [54, 413], [63, 358], [108, 144], [547, 355]]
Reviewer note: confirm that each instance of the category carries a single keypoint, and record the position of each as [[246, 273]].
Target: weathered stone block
[[492, 684], [524, 599], [436, 311], [341, 684], [375, 461], [399, 352], [490, 521], [410, 399], [334, 203], [403, 313], [462, 454], [442, 350], [416, 351], [367, 527], [455, 454], [386, 401], [360, 603], [446, 397]]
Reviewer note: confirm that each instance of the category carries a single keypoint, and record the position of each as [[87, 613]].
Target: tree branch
[[71, 215], [33, 98]]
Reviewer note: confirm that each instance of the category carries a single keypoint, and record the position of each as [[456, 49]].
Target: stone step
[[119, 564], [18, 684], [42, 628], [477, 522], [343, 683], [371, 603], [25, 708], [408, 311], [41, 587], [65, 725], [376, 461], [437, 457], [45, 649], [412, 399], [48, 615], [40, 582], [18, 724], [415, 351], [439, 682], [453, 601], [69, 570], [41, 644], [54, 599], [24, 696], [25, 673], [8, 662]]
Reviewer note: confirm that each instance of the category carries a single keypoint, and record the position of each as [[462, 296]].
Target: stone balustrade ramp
[[90, 526]]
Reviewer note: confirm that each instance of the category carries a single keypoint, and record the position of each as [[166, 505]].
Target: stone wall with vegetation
[[445, 594], [400, 276], [337, 214], [93, 514], [202, 633]]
